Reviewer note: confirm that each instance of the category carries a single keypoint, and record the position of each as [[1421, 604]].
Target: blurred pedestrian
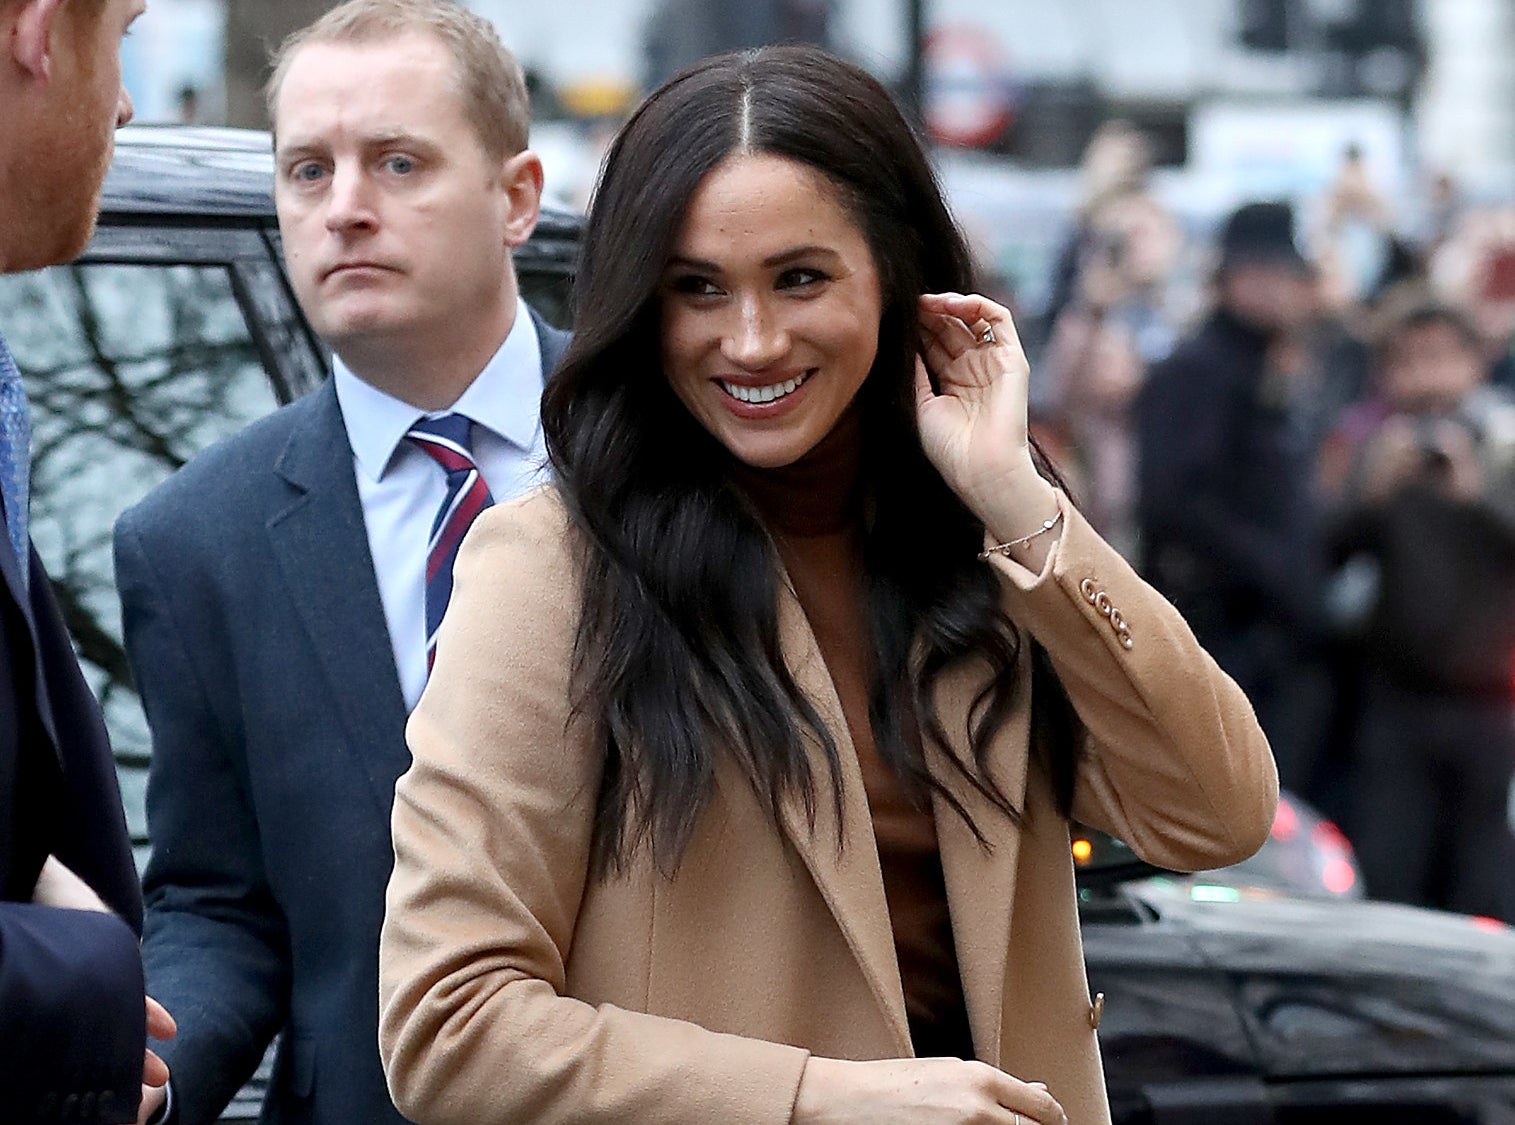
[[1228, 519], [725, 776], [281, 592], [1116, 163], [1423, 478], [1102, 343], [72, 1025]]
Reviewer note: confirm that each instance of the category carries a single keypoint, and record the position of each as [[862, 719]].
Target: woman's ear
[[31, 37]]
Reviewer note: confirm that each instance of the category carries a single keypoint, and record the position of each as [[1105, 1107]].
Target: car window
[[131, 369]]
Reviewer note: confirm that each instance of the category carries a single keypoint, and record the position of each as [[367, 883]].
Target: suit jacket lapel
[[981, 882], [848, 877], [10, 586], [321, 544]]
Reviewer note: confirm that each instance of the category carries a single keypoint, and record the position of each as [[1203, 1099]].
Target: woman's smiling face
[[770, 308]]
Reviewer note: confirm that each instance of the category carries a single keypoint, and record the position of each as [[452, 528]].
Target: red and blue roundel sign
[[970, 99]]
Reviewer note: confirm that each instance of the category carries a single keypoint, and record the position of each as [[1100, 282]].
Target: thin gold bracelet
[[1006, 548]]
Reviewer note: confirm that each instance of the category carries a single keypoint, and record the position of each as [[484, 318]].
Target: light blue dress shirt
[[401, 488]]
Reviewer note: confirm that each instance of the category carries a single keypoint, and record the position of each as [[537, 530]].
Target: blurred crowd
[[1315, 460]]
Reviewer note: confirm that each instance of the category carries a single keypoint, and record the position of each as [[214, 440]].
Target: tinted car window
[[131, 370]]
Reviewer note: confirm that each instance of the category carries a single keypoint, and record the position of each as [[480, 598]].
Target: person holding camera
[[1422, 474], [1100, 347]]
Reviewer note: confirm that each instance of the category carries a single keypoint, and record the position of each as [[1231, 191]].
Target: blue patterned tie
[[15, 455]]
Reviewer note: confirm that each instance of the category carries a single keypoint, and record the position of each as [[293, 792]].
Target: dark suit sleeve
[[215, 944], [72, 1024]]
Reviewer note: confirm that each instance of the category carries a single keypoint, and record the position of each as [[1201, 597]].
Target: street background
[[1091, 150]]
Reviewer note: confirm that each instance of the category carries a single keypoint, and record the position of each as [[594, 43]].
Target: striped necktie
[[15, 456], [448, 441]]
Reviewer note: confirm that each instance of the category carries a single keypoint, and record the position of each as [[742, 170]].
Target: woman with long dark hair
[[742, 783]]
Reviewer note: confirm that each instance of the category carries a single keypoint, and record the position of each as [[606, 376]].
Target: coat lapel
[[848, 876], [10, 586], [321, 544], [981, 881]]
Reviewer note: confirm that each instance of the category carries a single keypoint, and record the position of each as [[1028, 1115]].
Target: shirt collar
[[505, 397]]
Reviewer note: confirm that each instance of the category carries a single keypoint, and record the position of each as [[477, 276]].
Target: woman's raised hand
[[973, 421], [919, 1092]]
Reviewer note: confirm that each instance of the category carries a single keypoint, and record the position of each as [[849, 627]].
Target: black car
[[1226, 998]]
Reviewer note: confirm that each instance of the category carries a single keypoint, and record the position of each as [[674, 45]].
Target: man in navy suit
[[280, 591], [72, 1025]]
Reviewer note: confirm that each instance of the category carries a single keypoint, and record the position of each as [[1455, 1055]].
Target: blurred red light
[[1329, 838], [1338, 876], [1285, 821], [1493, 925]]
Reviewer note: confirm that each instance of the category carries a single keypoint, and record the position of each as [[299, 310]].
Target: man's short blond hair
[[491, 85]]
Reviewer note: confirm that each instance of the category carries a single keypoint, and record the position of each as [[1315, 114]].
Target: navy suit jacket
[[254, 624], [72, 1026]]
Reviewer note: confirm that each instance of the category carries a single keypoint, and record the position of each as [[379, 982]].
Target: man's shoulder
[[226, 477]]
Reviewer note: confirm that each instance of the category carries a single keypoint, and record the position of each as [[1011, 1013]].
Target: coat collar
[[979, 881]]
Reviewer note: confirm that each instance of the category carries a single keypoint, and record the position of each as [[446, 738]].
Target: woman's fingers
[[948, 333], [930, 1091], [972, 313], [1032, 1100]]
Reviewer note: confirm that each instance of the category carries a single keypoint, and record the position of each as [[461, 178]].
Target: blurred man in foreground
[[281, 592], [71, 990]]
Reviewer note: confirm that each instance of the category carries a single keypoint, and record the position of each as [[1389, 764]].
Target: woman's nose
[[758, 338]]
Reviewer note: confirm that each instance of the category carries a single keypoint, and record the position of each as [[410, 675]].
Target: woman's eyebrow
[[783, 257]]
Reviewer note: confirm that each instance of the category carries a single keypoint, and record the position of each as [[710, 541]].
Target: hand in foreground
[[160, 1025], [973, 422], [919, 1092], [60, 887]]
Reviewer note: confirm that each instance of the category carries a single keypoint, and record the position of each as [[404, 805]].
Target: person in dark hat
[[1227, 522]]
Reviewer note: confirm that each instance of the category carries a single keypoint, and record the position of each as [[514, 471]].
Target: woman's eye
[[800, 277], [695, 286], [400, 165]]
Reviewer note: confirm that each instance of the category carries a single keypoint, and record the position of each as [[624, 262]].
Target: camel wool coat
[[515, 988]]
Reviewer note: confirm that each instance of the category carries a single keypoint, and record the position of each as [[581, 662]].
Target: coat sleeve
[[1176, 764], [492, 829], [215, 947], [72, 1023]]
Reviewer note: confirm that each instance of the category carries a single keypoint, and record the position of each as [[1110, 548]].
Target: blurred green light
[[1203, 892]]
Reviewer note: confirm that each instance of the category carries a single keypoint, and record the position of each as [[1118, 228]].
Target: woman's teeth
[[763, 394]]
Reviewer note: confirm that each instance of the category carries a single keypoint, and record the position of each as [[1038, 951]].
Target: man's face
[[70, 140], [1430, 368], [396, 222], [1273, 297]]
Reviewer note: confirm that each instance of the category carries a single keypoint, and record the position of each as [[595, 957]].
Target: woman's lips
[[766, 399], [756, 395]]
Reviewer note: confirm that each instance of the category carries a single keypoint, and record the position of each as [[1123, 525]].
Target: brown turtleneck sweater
[[812, 509]]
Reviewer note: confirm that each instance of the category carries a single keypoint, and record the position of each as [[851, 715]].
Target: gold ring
[[987, 337]]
